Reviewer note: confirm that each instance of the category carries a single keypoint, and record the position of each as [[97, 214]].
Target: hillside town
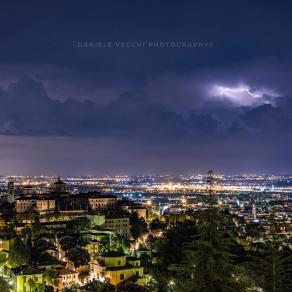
[[66, 241], [56, 240]]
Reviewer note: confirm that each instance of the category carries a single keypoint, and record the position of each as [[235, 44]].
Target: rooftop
[[116, 216], [125, 267], [67, 272], [133, 258], [112, 254], [26, 270]]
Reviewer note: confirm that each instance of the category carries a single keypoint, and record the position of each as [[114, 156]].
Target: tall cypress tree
[[209, 263]]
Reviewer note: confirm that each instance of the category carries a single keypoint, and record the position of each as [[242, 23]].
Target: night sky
[[77, 96]]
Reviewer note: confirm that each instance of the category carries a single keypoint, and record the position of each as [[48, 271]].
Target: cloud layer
[[171, 124], [27, 109]]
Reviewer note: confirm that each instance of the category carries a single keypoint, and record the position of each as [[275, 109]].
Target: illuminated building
[[118, 268], [67, 278], [5, 244], [23, 276], [102, 203], [24, 204], [10, 192], [41, 204], [119, 224], [132, 208], [254, 211]]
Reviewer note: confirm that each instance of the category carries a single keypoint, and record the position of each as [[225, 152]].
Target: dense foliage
[[207, 255], [19, 253]]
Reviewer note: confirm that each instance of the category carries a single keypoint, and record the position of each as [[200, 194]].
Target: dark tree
[[19, 254], [139, 229], [78, 255], [209, 262]]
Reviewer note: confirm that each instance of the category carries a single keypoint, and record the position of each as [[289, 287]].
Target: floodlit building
[[118, 268], [140, 210], [24, 204], [67, 278], [102, 203], [5, 244], [10, 192], [45, 204], [254, 211], [41, 204], [96, 271], [119, 224], [24, 277], [93, 248]]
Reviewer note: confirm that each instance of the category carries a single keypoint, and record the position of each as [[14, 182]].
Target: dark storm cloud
[[26, 109], [173, 121], [61, 82], [179, 91], [132, 132]]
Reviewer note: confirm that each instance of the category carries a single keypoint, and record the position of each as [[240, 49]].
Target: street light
[[171, 284]]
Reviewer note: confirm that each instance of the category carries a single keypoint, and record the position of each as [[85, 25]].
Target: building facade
[[118, 268], [102, 203], [119, 224]]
